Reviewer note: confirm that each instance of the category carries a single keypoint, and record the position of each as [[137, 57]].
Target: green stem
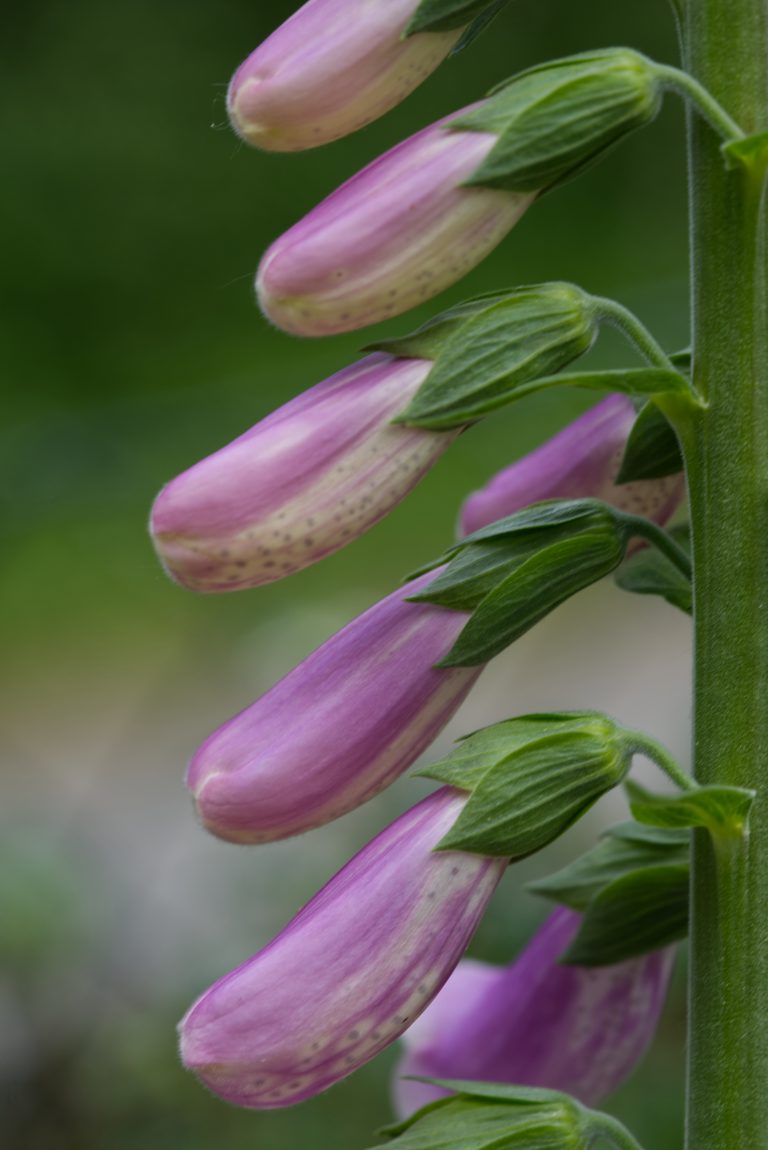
[[690, 88], [661, 540], [636, 332], [604, 1128], [726, 448], [645, 745]]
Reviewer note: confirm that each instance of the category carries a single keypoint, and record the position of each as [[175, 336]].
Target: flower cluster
[[373, 948]]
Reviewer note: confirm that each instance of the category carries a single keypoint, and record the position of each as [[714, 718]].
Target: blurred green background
[[131, 347]]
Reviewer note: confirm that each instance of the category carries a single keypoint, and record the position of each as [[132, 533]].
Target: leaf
[[479, 24], [531, 591], [720, 809], [426, 341], [477, 752], [576, 884], [555, 119], [651, 573], [652, 450], [636, 914], [633, 832], [445, 15], [529, 798], [473, 573], [498, 353]]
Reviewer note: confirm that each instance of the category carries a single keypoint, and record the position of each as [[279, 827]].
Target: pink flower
[[394, 235], [299, 485], [581, 461], [338, 728], [346, 977], [581, 1030], [331, 68]]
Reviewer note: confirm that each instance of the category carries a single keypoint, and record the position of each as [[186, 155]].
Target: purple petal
[[331, 68], [301, 484], [338, 729], [350, 972], [396, 234], [581, 1030], [581, 461]]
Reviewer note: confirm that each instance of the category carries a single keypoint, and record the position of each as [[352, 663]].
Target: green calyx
[[514, 572], [494, 349], [531, 778], [488, 1116], [555, 119]]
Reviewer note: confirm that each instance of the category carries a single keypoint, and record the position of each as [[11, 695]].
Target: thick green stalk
[[726, 445]]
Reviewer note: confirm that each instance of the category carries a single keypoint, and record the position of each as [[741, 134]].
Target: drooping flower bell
[[537, 1022], [396, 234], [331, 68], [422, 215], [581, 461], [301, 484], [337, 729], [346, 977]]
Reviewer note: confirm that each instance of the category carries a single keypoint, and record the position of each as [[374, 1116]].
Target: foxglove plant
[[372, 949]]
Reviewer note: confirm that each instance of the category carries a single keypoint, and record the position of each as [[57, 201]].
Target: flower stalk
[[726, 446]]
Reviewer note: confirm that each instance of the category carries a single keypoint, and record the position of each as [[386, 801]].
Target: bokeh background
[[131, 346]]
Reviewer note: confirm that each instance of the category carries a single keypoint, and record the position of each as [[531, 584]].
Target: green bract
[[492, 1116], [553, 120], [651, 573], [652, 450], [530, 778], [621, 851], [445, 15], [722, 810], [635, 914]]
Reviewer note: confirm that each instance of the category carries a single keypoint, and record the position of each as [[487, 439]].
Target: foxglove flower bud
[[396, 234], [350, 972], [331, 68], [581, 1030], [338, 728], [581, 461], [301, 484]]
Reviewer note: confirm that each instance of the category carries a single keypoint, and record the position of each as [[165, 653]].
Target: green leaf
[[555, 119], [651, 573], [633, 832], [473, 573], [749, 152], [479, 24], [636, 914], [721, 809], [427, 341], [445, 15], [464, 1123], [530, 797], [652, 450], [531, 591], [498, 353], [477, 752], [578, 883]]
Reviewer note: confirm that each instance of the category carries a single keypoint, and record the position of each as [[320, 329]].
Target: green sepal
[[530, 779], [555, 119], [501, 351], [722, 810], [638, 913], [578, 883], [651, 573], [479, 24], [485, 1116], [427, 341], [652, 449], [445, 15], [531, 591], [749, 152]]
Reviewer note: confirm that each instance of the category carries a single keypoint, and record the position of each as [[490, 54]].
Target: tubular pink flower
[[331, 68], [581, 1030], [396, 234], [354, 968], [338, 728], [581, 461], [301, 484]]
